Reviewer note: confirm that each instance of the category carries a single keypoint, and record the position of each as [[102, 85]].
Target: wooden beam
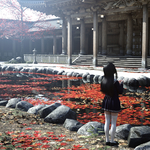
[[82, 14], [108, 18], [123, 10], [117, 17], [65, 8], [89, 1], [52, 2], [120, 10]]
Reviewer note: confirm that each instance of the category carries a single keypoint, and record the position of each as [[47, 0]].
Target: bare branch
[[20, 28]]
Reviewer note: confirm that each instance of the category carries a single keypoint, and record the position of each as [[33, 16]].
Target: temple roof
[[38, 5], [85, 8], [48, 6]]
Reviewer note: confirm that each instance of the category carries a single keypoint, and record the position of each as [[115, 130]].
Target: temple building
[[101, 29], [38, 35]]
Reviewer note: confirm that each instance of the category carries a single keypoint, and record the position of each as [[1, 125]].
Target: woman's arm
[[119, 87]]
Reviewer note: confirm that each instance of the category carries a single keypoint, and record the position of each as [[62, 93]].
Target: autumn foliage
[[21, 26], [85, 99]]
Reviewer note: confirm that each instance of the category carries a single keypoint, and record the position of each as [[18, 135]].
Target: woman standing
[[111, 103]]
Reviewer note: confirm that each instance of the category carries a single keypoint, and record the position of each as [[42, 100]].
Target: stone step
[[121, 61]]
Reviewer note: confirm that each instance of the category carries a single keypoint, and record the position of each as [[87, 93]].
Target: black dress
[[112, 104]]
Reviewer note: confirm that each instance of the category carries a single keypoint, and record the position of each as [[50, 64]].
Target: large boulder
[[12, 102], [132, 88], [84, 76], [49, 71], [126, 81], [143, 80], [23, 105], [60, 72], [15, 69], [141, 89], [48, 109], [100, 79], [3, 102], [44, 70], [90, 78], [133, 82], [13, 60], [19, 68], [120, 78], [19, 59], [92, 128], [95, 78], [64, 73], [33, 70], [75, 74], [39, 70], [69, 74], [3, 68], [145, 146], [24, 70], [72, 125], [79, 75], [84, 81], [138, 135], [35, 109], [60, 114], [122, 131], [23, 76], [54, 71], [148, 80], [9, 68]]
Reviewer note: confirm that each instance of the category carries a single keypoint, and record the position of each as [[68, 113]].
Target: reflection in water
[[134, 101]]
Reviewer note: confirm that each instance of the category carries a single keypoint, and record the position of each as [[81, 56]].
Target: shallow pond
[[84, 98]]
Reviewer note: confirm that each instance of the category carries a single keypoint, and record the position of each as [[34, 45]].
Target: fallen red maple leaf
[[61, 135], [46, 146], [63, 144], [28, 128], [77, 146]]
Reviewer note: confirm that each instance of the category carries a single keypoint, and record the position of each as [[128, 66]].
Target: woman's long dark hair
[[107, 84]]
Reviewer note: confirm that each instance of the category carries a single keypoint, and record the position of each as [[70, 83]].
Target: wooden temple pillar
[[30, 46], [82, 37], [129, 35], [69, 19], [104, 36], [64, 37], [42, 45], [121, 38], [95, 38], [100, 39], [1, 45], [14, 47], [145, 37], [54, 44]]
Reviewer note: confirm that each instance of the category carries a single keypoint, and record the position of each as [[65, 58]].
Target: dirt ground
[[21, 130]]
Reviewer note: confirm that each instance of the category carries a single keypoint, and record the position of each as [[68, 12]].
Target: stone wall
[[46, 58], [119, 61]]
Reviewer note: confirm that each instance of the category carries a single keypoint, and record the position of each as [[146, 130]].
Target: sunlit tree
[[21, 25]]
